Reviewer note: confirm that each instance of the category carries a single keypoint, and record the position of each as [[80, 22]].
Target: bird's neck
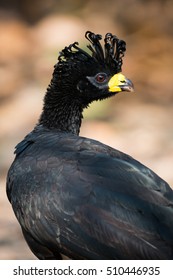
[[62, 113]]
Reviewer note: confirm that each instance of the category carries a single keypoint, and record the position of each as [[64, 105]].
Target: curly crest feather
[[111, 55]]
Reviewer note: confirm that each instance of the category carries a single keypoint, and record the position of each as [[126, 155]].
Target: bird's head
[[88, 77], [80, 78]]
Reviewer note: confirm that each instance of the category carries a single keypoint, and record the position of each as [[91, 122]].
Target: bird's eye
[[101, 77]]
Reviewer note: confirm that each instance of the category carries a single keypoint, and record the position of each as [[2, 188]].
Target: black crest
[[111, 55], [113, 52]]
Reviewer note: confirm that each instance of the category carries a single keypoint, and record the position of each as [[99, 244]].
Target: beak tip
[[128, 86]]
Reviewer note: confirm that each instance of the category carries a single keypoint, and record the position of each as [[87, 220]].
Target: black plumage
[[76, 196]]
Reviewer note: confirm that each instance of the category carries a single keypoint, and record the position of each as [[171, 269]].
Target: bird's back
[[78, 197]]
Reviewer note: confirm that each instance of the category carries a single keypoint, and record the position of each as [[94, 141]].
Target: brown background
[[140, 123]]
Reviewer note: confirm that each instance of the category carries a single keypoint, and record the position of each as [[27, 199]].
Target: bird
[[77, 197]]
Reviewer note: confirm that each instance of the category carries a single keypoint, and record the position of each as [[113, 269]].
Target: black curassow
[[76, 196]]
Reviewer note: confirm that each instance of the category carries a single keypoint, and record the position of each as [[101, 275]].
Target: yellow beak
[[120, 83]]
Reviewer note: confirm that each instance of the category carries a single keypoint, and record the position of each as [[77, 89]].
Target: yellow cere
[[115, 82]]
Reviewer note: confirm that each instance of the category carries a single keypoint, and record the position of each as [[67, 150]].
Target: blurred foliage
[[32, 11]]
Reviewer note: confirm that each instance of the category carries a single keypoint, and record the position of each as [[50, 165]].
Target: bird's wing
[[91, 201]]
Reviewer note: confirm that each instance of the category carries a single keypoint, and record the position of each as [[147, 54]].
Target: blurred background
[[140, 124]]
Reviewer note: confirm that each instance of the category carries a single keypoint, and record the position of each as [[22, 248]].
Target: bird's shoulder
[[84, 160]]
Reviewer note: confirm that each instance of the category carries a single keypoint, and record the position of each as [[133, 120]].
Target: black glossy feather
[[88, 200]]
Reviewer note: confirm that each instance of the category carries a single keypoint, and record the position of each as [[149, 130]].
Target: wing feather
[[70, 193]]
